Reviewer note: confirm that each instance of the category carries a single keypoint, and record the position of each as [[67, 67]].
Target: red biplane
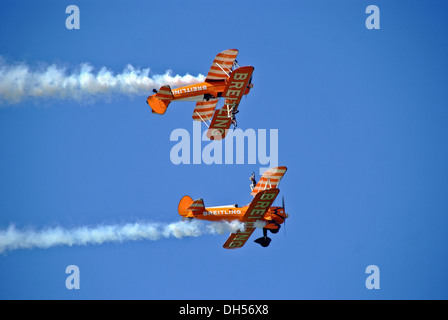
[[225, 79], [259, 212]]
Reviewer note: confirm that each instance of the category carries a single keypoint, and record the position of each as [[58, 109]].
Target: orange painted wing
[[222, 65], [270, 179], [256, 211], [233, 92], [219, 125], [204, 110], [238, 239], [237, 84]]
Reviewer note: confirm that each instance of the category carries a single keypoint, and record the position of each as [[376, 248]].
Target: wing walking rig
[[225, 79], [259, 212]]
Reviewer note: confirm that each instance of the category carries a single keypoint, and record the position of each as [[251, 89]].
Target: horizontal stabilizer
[[165, 93], [197, 206], [188, 208], [159, 102]]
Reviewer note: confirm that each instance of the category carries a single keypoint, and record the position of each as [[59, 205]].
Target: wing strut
[[228, 74], [202, 120]]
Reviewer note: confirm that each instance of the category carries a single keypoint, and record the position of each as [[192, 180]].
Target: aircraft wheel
[[274, 231], [263, 241]]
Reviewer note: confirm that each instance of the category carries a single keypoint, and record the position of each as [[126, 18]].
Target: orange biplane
[[225, 79], [259, 212]]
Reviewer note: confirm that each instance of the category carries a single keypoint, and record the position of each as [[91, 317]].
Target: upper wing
[[204, 110], [256, 211], [233, 92], [269, 179], [222, 65], [237, 84]]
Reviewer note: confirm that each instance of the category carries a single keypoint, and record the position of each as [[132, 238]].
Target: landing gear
[[274, 231], [264, 241]]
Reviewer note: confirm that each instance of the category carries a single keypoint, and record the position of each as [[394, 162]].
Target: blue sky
[[361, 117]]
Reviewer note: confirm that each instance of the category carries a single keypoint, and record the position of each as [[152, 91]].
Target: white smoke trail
[[19, 81], [14, 239]]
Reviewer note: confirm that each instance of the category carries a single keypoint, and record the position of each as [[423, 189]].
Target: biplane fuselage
[[259, 213], [225, 79], [274, 217], [201, 91]]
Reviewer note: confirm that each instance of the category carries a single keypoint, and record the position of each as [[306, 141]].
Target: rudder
[[159, 102], [183, 206]]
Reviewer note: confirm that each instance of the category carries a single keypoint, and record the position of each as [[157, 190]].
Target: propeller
[[264, 241], [284, 211]]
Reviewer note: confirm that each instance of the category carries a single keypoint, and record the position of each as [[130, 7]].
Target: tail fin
[[184, 204], [188, 208], [159, 102]]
